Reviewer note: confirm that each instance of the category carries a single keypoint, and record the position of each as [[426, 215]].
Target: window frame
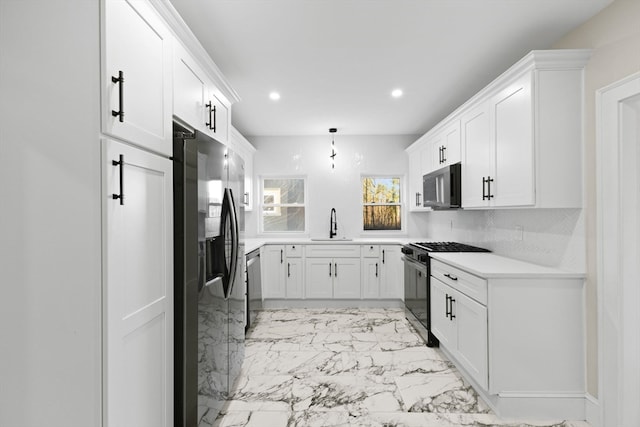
[[277, 206], [401, 204]]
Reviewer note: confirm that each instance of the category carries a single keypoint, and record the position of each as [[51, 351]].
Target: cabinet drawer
[[293, 251], [370, 251], [470, 285], [333, 251]]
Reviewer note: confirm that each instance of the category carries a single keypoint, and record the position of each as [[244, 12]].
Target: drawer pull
[[450, 276]]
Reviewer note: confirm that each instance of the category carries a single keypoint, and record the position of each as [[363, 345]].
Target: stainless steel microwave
[[442, 188]]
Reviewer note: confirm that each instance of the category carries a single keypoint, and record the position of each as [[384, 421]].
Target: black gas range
[[418, 251], [417, 285]]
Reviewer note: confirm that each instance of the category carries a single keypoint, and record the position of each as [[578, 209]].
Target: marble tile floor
[[351, 367]]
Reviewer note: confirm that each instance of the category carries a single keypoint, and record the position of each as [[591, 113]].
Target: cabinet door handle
[[281, 256], [446, 305], [383, 256], [246, 199], [444, 154], [450, 276], [418, 199], [489, 181], [329, 269], [484, 193], [376, 269], [120, 81], [335, 270], [451, 301], [209, 106], [119, 163], [439, 155], [288, 269]]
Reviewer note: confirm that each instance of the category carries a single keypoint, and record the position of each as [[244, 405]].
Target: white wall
[[614, 36], [50, 274], [340, 188]]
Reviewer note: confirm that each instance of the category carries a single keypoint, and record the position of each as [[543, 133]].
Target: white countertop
[[251, 244], [489, 265]]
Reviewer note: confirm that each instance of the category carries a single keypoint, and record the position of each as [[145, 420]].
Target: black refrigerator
[[209, 287]]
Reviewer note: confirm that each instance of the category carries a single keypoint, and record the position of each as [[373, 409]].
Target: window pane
[[285, 191], [278, 218], [380, 190], [381, 217]]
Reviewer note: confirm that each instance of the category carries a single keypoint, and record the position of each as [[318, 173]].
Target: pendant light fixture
[[334, 153]]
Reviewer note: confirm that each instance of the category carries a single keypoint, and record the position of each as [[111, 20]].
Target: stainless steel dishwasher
[[254, 287]]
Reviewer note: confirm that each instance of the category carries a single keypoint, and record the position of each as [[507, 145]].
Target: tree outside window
[[381, 207]]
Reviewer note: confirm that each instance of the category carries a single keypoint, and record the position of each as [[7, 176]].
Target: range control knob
[[406, 251], [423, 257]]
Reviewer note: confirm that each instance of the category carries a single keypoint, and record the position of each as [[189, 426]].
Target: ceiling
[[335, 62]]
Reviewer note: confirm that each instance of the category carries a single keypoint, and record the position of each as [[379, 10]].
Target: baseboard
[[592, 410], [331, 303]]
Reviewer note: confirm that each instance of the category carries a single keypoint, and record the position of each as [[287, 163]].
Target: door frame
[[618, 251]]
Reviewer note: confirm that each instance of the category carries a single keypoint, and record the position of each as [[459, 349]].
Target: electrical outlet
[[518, 232]]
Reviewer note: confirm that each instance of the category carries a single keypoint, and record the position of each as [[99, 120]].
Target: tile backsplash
[[551, 237]]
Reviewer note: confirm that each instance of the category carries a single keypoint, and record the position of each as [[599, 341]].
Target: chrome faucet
[[333, 224]]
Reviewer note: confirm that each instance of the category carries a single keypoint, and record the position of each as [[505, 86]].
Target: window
[[283, 205], [381, 208]]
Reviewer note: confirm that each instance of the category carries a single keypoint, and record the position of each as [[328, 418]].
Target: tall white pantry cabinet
[[89, 309], [137, 216]]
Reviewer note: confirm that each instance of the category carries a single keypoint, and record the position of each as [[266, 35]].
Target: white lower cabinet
[[294, 278], [332, 271], [391, 272], [138, 287], [346, 278], [370, 278], [460, 324], [517, 336], [382, 272], [441, 325], [319, 278], [332, 278], [273, 271]]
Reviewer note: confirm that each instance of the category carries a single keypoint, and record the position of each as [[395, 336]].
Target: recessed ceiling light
[[274, 96], [396, 93]]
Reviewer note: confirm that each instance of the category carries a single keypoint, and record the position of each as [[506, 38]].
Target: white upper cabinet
[[136, 92], [513, 144], [476, 156], [520, 138], [197, 100], [217, 117], [443, 147], [451, 143], [189, 89], [419, 164], [435, 150], [499, 161], [243, 147]]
